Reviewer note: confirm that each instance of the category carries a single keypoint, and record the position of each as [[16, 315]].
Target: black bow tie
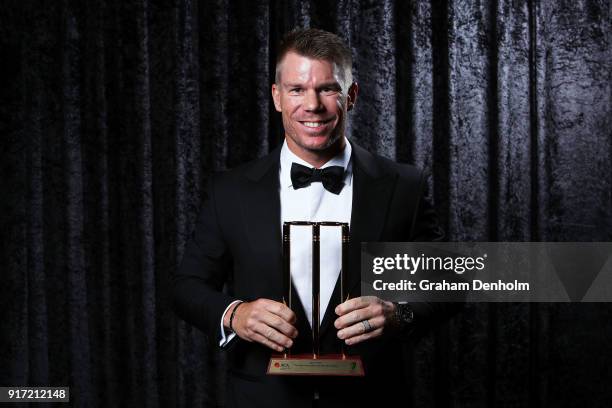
[[331, 177]]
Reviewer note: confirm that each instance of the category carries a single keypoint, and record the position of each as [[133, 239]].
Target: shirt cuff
[[226, 337]]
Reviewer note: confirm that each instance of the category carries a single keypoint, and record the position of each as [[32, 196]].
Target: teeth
[[313, 124]]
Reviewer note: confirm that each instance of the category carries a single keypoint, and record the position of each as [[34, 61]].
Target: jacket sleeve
[[206, 265]]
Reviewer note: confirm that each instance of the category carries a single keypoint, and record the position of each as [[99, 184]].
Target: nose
[[312, 102]]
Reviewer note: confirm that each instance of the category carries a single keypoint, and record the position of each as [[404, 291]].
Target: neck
[[316, 158]]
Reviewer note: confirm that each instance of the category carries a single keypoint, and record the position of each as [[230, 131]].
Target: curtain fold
[[115, 113]]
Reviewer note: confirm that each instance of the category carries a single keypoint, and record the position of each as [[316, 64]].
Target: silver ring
[[366, 326]]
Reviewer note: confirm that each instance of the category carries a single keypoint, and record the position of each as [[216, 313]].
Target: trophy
[[315, 363]]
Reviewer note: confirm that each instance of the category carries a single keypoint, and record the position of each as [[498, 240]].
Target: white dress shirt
[[312, 203]]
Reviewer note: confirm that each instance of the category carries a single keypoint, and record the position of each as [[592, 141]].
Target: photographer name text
[[443, 285]]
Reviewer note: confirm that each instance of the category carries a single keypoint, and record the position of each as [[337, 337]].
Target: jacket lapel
[[372, 189], [260, 204]]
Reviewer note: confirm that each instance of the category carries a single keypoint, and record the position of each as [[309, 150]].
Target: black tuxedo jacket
[[237, 241]]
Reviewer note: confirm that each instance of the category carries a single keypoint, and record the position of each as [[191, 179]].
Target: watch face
[[405, 314], [410, 315]]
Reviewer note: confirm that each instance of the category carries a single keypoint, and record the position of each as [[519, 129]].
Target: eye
[[329, 90], [295, 90]]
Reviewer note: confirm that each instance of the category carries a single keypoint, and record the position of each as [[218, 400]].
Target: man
[[316, 175]]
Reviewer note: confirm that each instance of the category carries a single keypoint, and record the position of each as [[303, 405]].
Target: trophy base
[[323, 365]]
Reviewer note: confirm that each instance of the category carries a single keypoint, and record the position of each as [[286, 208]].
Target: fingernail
[[289, 343]]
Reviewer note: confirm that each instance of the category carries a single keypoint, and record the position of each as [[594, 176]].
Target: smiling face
[[314, 99]]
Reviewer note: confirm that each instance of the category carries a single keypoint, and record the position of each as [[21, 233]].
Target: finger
[[267, 342], [273, 335], [279, 324], [358, 328], [352, 304], [358, 339], [355, 316], [282, 311], [351, 318]]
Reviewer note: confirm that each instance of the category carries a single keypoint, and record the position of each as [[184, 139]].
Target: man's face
[[313, 104]]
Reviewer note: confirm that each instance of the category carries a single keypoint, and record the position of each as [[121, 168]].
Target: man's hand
[[377, 312], [264, 321]]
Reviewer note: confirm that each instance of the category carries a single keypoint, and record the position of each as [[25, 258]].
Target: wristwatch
[[403, 317]]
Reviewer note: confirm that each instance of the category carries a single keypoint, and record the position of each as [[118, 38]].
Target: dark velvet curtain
[[114, 113]]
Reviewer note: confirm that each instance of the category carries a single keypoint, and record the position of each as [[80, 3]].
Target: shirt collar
[[287, 157]]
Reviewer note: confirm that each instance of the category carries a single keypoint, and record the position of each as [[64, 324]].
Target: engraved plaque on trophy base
[[307, 364]]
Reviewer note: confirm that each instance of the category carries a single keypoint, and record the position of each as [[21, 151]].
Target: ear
[[351, 97], [276, 97]]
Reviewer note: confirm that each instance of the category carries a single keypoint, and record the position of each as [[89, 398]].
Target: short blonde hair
[[317, 44]]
